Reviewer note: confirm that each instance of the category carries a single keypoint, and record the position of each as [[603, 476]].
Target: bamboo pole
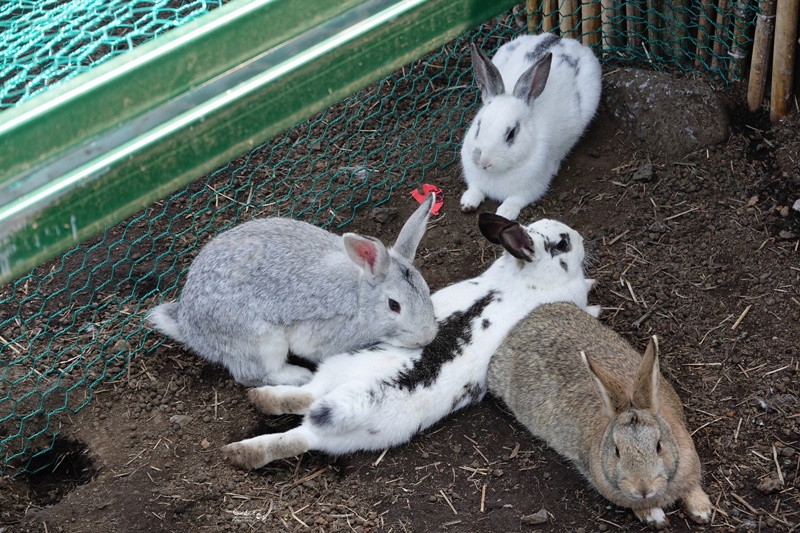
[[783, 58], [569, 18], [704, 31], [549, 15], [738, 51], [534, 10], [653, 25], [633, 16], [677, 27], [607, 21], [765, 25], [719, 34], [590, 22]]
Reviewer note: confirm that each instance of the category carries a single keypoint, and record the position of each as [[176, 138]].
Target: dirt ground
[[702, 251]]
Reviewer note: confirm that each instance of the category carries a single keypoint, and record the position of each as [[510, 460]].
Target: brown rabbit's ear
[[611, 391], [645, 391]]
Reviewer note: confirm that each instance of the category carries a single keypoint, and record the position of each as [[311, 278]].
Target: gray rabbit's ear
[[369, 255], [610, 389], [509, 233], [645, 391], [532, 82], [486, 75], [414, 228]]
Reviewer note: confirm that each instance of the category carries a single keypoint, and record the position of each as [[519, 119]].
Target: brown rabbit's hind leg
[[259, 451], [698, 505], [280, 399], [653, 516]]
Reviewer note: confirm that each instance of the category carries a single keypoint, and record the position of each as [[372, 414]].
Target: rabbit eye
[[658, 447], [512, 133], [616, 450], [562, 245], [394, 306]]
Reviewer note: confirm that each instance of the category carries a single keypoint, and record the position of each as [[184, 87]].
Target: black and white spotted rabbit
[[383, 396]]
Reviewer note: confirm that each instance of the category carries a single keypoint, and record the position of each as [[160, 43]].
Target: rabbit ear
[[532, 82], [511, 234], [369, 255], [486, 75], [611, 391], [414, 228], [645, 391]]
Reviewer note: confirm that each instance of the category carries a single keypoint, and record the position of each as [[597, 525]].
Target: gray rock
[[796, 205], [539, 517], [645, 173], [667, 116], [181, 420]]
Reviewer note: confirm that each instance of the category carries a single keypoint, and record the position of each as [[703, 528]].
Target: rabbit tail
[[165, 319]]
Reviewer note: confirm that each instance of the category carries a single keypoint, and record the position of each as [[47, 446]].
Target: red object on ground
[[427, 189]]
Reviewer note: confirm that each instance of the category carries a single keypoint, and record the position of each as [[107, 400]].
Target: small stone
[[382, 215], [205, 444], [207, 418], [784, 211], [645, 173], [602, 527], [498, 472], [181, 420], [539, 517], [796, 205], [787, 235], [769, 486], [752, 201]]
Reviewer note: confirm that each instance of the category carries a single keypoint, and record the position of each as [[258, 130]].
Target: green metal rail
[[76, 159]]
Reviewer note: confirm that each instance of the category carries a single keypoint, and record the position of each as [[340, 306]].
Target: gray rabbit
[[582, 388], [273, 286]]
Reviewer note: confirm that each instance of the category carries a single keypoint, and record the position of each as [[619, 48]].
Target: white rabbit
[[382, 396], [517, 141], [275, 285], [581, 387]]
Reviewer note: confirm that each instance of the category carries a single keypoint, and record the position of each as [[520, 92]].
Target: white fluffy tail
[[164, 319]]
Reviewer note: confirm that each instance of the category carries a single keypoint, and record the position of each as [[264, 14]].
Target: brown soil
[[702, 251]]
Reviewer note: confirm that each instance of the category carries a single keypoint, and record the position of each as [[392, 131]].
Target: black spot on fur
[[512, 46], [562, 246], [544, 46], [486, 323], [472, 393], [571, 62], [472, 282], [564, 265], [322, 415], [373, 348], [477, 129], [455, 332]]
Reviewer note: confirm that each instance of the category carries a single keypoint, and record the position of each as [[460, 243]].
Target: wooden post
[[677, 23], [704, 31], [765, 24], [607, 19], [590, 22], [783, 58], [569, 18], [633, 16], [738, 51], [653, 25], [534, 10], [549, 15], [719, 35]]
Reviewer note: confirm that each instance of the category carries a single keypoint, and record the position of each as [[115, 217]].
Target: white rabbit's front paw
[[471, 199], [510, 208]]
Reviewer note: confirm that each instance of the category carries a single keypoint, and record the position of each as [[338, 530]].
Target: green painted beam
[[172, 144]]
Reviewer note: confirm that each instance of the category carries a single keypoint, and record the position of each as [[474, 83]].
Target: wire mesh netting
[[71, 326]]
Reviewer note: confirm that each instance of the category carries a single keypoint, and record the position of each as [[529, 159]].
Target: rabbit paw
[[698, 505], [654, 516], [510, 208], [258, 451], [280, 400], [291, 375], [244, 454], [471, 199]]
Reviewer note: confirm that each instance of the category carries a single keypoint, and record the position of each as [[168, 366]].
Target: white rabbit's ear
[[414, 228], [532, 82], [369, 255], [486, 75], [509, 233], [645, 391], [611, 391]]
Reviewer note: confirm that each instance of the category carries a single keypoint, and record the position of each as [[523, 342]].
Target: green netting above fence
[[43, 42], [72, 325]]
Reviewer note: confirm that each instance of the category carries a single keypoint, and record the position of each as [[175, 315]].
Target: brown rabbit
[[624, 428]]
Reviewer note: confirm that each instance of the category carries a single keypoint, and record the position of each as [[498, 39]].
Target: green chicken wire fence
[[73, 324]]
